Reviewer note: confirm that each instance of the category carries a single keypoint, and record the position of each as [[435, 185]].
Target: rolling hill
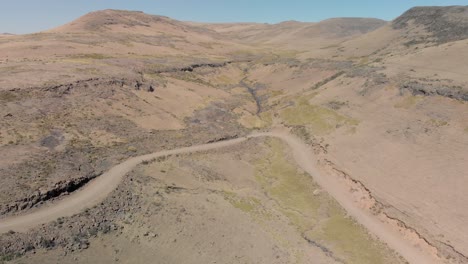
[[294, 34], [340, 141]]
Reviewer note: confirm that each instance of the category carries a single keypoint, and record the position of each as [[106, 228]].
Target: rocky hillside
[[416, 29], [443, 24]]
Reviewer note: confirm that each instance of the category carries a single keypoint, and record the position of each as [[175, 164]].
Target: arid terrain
[[134, 138]]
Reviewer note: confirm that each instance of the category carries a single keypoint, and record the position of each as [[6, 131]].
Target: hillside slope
[[426, 48], [130, 22], [381, 107], [294, 34], [110, 42], [442, 24], [417, 28]]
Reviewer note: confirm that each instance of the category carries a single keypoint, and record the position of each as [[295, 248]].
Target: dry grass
[[317, 216], [408, 102], [321, 120]]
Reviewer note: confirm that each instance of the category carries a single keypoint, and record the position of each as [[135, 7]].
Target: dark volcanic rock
[[73, 233], [60, 188], [453, 92]]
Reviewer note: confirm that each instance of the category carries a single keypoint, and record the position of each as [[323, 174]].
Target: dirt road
[[304, 158], [97, 190]]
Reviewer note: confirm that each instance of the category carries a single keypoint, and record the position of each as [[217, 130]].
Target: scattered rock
[[138, 84]]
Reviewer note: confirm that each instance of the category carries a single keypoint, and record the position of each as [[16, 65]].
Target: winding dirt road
[[98, 189]]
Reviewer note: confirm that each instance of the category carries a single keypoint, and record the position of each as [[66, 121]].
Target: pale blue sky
[[26, 16]]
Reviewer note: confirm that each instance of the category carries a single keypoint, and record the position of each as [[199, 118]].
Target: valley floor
[[255, 202], [147, 138]]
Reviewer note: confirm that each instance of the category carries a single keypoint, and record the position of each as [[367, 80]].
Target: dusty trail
[[304, 158], [97, 190]]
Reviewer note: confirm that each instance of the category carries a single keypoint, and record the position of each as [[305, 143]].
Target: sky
[[28, 16]]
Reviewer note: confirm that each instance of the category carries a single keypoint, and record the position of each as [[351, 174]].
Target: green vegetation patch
[[319, 119], [10, 69], [245, 204], [225, 80], [437, 122], [8, 96], [191, 77], [316, 215], [292, 190], [9, 257], [408, 102], [350, 239], [263, 120], [91, 56], [88, 70]]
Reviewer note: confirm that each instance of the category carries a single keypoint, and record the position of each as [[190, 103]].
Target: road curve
[[305, 159], [98, 189]]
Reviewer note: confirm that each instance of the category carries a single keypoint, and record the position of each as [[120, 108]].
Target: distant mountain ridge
[[303, 34], [290, 34]]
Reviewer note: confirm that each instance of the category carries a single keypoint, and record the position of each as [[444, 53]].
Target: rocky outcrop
[[73, 233], [454, 92], [136, 83], [40, 196], [192, 67]]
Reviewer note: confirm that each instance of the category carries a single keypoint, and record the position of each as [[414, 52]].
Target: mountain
[[439, 24], [340, 141], [114, 41], [298, 34], [423, 43], [417, 28], [129, 22]]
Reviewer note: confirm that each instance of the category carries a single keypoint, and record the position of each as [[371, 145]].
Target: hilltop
[[131, 22], [441, 24]]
